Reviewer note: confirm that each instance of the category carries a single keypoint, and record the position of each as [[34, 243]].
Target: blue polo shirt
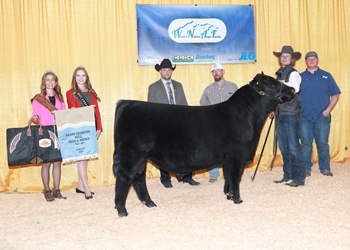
[[315, 93]]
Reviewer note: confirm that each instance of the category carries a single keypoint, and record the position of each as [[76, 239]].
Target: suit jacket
[[157, 93]]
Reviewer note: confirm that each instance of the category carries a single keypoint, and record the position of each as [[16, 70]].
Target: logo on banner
[[205, 58], [245, 57], [227, 57], [183, 58], [197, 30]]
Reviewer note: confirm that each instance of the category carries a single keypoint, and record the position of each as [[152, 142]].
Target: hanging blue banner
[[191, 34]]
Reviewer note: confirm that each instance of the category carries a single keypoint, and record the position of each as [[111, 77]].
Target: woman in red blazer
[[81, 84]]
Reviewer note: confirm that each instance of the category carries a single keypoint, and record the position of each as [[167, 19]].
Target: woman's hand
[[98, 133], [35, 118]]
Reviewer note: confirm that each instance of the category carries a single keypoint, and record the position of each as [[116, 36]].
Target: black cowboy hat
[[165, 64], [289, 50]]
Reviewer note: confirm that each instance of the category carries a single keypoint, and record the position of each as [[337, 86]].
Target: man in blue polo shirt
[[319, 94]]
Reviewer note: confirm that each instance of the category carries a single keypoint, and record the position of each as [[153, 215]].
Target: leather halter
[[278, 96]]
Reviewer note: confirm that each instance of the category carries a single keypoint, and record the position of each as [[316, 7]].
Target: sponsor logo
[[227, 58], [183, 58], [151, 59], [197, 30], [205, 58], [146, 58], [160, 58], [245, 57]]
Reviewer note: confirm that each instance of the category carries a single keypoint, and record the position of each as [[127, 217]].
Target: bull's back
[[169, 126]]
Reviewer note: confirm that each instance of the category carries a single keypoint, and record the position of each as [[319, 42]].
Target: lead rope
[[275, 136], [256, 169]]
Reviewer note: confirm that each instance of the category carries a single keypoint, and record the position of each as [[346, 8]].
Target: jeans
[[214, 171], [288, 141], [318, 129]]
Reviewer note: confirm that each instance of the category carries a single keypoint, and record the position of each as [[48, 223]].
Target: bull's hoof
[[237, 201], [122, 212], [149, 203]]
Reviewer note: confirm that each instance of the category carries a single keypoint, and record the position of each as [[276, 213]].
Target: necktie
[[171, 97]]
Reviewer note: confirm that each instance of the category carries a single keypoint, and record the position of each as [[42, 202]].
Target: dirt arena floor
[[272, 216]]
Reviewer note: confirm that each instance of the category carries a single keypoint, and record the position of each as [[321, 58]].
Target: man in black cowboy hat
[[289, 117], [168, 91]]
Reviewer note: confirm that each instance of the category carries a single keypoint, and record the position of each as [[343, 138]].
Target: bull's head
[[269, 86]]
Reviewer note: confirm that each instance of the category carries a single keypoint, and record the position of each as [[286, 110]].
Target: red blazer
[[76, 104]]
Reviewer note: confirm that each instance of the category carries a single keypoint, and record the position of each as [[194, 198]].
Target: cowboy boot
[[57, 194]]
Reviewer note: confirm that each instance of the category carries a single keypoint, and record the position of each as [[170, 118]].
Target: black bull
[[183, 139]]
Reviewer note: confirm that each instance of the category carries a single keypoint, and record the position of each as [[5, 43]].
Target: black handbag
[[32, 145]]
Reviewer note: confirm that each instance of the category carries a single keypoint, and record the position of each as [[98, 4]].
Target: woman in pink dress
[[51, 90]]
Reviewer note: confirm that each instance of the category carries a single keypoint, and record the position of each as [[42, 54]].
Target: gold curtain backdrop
[[37, 35]]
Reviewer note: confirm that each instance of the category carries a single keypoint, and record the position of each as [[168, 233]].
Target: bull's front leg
[[233, 181], [227, 183]]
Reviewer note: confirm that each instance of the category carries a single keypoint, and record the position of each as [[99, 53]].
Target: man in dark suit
[[168, 91]]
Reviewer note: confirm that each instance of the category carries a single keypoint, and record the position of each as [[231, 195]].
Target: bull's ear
[[255, 80], [262, 72], [257, 77]]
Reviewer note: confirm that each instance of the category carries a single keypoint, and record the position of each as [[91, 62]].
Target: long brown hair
[[87, 84], [57, 87]]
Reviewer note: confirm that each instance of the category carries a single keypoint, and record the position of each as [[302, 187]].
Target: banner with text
[[191, 34], [77, 133]]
